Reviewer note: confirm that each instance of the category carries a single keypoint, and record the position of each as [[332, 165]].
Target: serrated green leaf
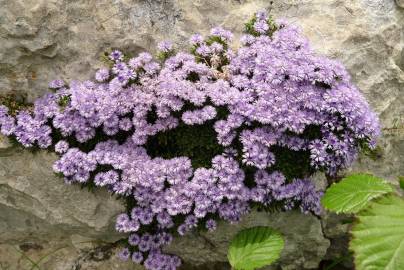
[[378, 236], [353, 193], [254, 248]]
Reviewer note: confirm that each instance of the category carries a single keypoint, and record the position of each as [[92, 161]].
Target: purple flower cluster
[[273, 90]]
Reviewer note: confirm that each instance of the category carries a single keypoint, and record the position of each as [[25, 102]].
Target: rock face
[[305, 244], [70, 228]]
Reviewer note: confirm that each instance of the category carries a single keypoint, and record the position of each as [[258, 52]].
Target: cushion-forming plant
[[195, 137]]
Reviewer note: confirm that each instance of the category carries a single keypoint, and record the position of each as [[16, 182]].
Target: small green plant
[[378, 233], [255, 248]]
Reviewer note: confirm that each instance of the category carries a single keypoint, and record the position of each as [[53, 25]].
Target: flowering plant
[[199, 136]]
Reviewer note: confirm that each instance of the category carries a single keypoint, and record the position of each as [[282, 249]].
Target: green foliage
[[198, 142], [378, 233], [162, 56], [401, 181], [254, 248], [63, 101], [353, 193], [378, 236], [293, 164]]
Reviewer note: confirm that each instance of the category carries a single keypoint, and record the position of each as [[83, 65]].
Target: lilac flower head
[[225, 35], [124, 254], [102, 75], [211, 225], [134, 239], [116, 56], [61, 147], [261, 15], [203, 50], [56, 84], [137, 257], [261, 26], [165, 46], [196, 39], [182, 229]]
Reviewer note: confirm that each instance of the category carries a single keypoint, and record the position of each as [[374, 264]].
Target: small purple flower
[[144, 246], [136, 213], [137, 257], [133, 226], [116, 56], [102, 75], [182, 229], [146, 217], [166, 238], [211, 225], [125, 124], [133, 239], [165, 46], [261, 26], [203, 50], [56, 84], [164, 219], [216, 47], [61, 147], [191, 221], [261, 15], [247, 40], [196, 39], [225, 35], [124, 254]]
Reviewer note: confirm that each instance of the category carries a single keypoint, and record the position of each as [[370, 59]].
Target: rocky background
[[47, 225]]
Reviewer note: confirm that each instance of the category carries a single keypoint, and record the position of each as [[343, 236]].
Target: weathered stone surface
[[301, 232], [34, 200], [62, 255], [42, 40]]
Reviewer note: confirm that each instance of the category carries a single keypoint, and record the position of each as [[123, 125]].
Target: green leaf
[[378, 237], [254, 248], [353, 193], [401, 181]]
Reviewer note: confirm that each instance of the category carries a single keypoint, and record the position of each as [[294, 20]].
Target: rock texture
[[305, 244], [60, 227]]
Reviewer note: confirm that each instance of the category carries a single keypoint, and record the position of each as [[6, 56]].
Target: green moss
[[198, 142], [293, 164]]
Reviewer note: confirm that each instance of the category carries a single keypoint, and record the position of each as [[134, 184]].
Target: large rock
[[305, 245], [41, 40], [34, 201], [41, 216]]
